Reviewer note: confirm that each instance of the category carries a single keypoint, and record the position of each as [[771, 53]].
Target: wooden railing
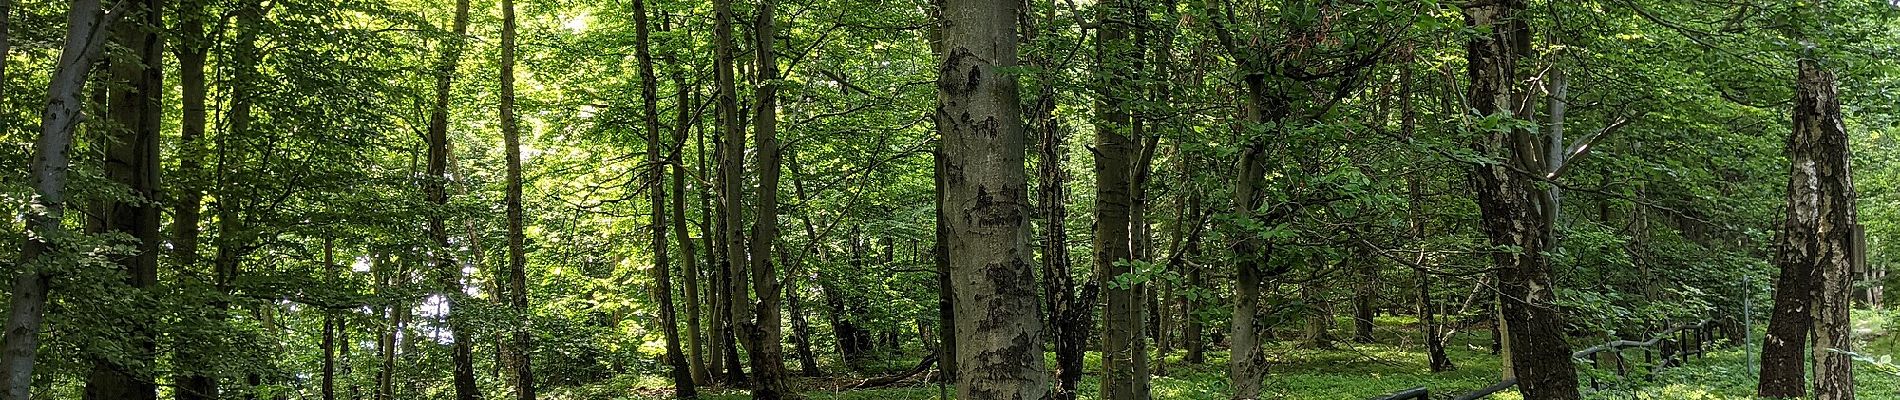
[[1672, 346]]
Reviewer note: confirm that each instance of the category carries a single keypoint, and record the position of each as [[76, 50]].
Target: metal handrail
[[1670, 349]]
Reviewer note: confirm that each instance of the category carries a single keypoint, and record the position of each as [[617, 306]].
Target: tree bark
[[192, 48], [1365, 296], [1538, 353], [1071, 309], [682, 375], [131, 159], [520, 364], [731, 195], [1816, 249], [86, 24], [327, 386], [448, 271], [1436, 359], [1118, 53], [986, 204], [764, 331], [683, 121]]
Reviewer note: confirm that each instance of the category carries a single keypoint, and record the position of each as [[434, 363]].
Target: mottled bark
[[731, 177], [1538, 352], [765, 333], [86, 24], [1816, 249], [986, 204]]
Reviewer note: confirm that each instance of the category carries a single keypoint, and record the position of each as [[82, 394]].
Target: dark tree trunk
[[521, 341], [682, 374], [1436, 358], [448, 271], [946, 290], [327, 386], [189, 365], [86, 23], [1538, 353], [764, 332], [731, 177], [1365, 295], [131, 159], [695, 348], [1071, 310], [986, 203]]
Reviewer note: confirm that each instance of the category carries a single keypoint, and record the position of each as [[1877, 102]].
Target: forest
[[937, 199]]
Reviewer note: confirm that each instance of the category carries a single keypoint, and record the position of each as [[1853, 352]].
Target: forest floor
[[1349, 372]]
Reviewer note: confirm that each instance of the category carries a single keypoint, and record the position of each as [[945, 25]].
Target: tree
[[1119, 56], [131, 160], [1815, 252], [521, 366], [765, 332], [662, 267], [448, 270], [1539, 354], [986, 202], [86, 28]]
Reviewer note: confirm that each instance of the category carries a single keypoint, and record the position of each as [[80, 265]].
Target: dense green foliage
[[1671, 215]]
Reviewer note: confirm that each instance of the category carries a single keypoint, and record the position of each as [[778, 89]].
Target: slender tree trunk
[[448, 271], [1192, 331], [662, 267], [131, 159], [738, 298], [1319, 314], [1436, 358], [1538, 352], [795, 304], [86, 24], [1247, 365], [946, 288], [1071, 310], [189, 379], [765, 333], [327, 387], [386, 344], [520, 364], [695, 348], [986, 204], [712, 228]]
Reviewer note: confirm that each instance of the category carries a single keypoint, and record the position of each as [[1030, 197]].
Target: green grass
[[1350, 372]]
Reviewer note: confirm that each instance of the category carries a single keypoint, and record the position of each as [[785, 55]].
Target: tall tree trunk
[[683, 121], [327, 386], [731, 195], [448, 271], [1435, 355], [662, 267], [86, 24], [986, 204], [6, 41], [521, 348], [1247, 365], [1539, 355], [386, 343], [1118, 53], [1071, 309], [1816, 249], [1192, 331], [190, 380], [712, 226], [765, 333], [131, 159]]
